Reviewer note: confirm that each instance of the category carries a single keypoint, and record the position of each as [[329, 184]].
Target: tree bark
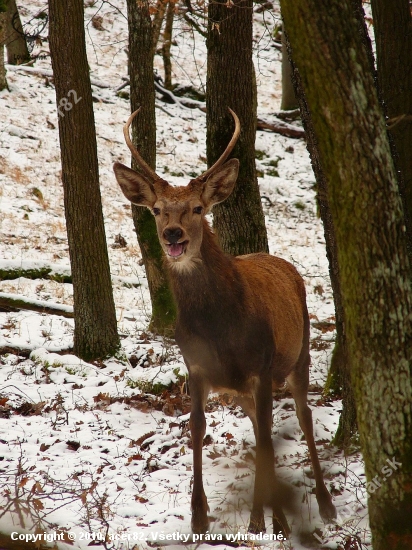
[[239, 222], [372, 253], [95, 333], [142, 94], [393, 35]]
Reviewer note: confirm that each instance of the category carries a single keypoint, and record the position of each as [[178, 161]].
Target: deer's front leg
[[199, 390]]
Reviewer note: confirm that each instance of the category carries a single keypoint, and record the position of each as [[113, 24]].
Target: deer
[[242, 323]]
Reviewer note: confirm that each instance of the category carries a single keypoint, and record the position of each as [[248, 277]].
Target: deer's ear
[[219, 185], [135, 187]]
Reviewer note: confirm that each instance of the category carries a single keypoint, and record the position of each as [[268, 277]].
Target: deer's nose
[[172, 234]]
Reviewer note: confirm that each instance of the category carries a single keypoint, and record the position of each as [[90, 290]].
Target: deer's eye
[[197, 209], [156, 211]]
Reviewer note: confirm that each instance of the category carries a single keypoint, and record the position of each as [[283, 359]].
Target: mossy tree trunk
[[370, 235], [95, 332], [239, 222], [142, 93], [338, 381], [393, 36]]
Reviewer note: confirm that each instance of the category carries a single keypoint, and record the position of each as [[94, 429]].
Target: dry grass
[[13, 172]]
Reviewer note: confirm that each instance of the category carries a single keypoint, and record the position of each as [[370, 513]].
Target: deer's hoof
[[200, 522], [280, 523], [327, 509], [257, 523]]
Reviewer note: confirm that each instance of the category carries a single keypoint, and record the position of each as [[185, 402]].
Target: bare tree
[[239, 222], [3, 79], [95, 333], [338, 381], [167, 44], [392, 27], [289, 101], [17, 50], [372, 253], [142, 94]]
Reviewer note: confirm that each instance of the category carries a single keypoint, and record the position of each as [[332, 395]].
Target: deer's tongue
[[175, 249]]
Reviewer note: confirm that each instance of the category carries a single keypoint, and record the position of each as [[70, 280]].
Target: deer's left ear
[[220, 184]]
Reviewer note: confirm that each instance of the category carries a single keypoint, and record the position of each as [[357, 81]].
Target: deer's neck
[[212, 281]]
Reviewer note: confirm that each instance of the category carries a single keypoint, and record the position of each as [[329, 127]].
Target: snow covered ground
[[86, 454]]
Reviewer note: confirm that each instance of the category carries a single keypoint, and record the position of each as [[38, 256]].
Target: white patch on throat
[[183, 264]]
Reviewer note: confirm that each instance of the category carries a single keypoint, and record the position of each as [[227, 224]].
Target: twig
[[163, 109], [288, 115], [168, 94], [392, 122], [195, 25]]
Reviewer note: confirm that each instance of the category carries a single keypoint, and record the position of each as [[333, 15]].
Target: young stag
[[242, 323]]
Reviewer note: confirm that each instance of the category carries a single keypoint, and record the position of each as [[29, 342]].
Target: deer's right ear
[[135, 187]]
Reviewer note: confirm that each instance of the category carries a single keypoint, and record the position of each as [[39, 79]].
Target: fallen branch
[[282, 128], [37, 269], [13, 269], [23, 351], [49, 74], [288, 115], [16, 302]]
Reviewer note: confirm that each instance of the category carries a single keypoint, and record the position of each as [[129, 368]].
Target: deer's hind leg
[[298, 383]]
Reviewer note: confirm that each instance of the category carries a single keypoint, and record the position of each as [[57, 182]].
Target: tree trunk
[[95, 333], [167, 43], [372, 254], [157, 22], [289, 101], [338, 382], [142, 93], [239, 222], [393, 34], [17, 51], [3, 79]]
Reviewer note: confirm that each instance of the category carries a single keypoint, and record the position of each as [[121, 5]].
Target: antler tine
[[135, 153], [228, 149]]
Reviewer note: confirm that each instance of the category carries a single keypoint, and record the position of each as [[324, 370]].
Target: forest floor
[[101, 452]]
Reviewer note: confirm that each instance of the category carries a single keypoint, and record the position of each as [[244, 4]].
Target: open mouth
[[175, 250]]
